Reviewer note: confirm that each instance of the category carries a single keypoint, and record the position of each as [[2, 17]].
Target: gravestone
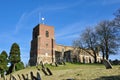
[[19, 77], [107, 64], [23, 77], [56, 64], [32, 76], [0, 75], [43, 70], [64, 62], [42, 64], [13, 78], [70, 79], [48, 70], [38, 76]]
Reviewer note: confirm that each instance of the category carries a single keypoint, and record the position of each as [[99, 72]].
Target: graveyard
[[69, 71]]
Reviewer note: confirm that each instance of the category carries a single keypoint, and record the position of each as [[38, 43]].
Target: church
[[44, 49]]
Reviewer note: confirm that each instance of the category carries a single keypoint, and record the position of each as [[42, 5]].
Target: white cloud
[[26, 17], [74, 28], [110, 2], [100, 2], [69, 33], [20, 22], [60, 6]]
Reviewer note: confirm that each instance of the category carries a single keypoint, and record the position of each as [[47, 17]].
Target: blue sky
[[69, 18]]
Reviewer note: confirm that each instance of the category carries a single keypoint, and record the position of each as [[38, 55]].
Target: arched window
[[47, 34]]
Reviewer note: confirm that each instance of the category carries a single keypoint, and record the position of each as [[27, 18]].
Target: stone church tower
[[42, 45]]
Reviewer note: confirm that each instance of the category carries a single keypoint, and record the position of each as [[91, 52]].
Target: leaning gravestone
[[23, 77], [32, 76], [12, 77], [43, 70], [50, 73], [42, 65], [64, 62], [38, 76], [70, 79], [56, 64], [107, 64], [19, 77]]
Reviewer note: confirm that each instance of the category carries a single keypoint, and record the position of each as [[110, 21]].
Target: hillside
[[75, 72]]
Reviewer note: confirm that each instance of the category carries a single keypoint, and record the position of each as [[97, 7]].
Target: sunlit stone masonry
[[44, 49]]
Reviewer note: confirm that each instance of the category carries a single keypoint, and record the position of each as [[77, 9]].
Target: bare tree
[[88, 41], [108, 38], [116, 20]]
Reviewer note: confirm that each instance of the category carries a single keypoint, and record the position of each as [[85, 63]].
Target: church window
[[47, 34]]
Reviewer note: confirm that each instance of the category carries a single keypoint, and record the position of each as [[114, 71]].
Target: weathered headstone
[[32, 76], [107, 64], [64, 62], [43, 70], [0, 75], [38, 76], [13, 78], [42, 64], [23, 77], [19, 77], [48, 70], [56, 64], [70, 79]]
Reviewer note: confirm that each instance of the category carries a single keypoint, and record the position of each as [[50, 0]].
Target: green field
[[76, 72]]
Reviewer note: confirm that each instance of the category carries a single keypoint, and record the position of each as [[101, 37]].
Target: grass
[[76, 72]]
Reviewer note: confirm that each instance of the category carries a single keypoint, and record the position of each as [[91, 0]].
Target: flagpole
[[39, 18]]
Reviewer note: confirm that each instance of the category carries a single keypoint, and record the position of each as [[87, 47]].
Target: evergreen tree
[[19, 66], [3, 63], [14, 56]]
